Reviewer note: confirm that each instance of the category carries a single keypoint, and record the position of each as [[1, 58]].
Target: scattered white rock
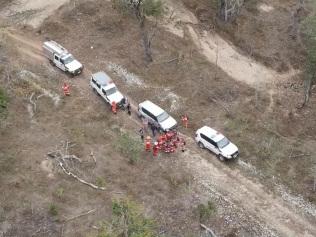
[[297, 201], [265, 7], [173, 98], [124, 74]]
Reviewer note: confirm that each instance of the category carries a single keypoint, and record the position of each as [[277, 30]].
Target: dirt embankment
[[266, 31], [170, 187]]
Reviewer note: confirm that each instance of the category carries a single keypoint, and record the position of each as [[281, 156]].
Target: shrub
[[128, 220], [205, 210], [53, 209], [129, 147], [148, 7], [60, 192], [3, 101]]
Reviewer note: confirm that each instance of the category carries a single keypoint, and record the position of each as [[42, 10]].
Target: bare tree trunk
[[308, 87], [146, 41]]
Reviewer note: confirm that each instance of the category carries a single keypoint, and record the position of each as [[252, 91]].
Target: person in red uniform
[[66, 89], [148, 143], [185, 120], [113, 107], [155, 149]]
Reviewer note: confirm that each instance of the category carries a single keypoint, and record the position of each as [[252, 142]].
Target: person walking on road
[[153, 129], [145, 124], [155, 149], [128, 107], [185, 120], [113, 107], [66, 89], [148, 144]]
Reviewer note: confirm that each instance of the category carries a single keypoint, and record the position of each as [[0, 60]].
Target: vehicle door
[[148, 115], [104, 95], [208, 143], [58, 63], [155, 120], [214, 147]]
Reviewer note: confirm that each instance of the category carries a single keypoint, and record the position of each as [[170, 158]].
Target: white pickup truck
[[103, 85], [61, 58]]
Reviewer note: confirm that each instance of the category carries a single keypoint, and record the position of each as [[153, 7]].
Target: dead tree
[[62, 159], [139, 9], [228, 9], [140, 15]]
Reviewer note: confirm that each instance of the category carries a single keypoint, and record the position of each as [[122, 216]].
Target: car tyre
[[221, 158], [201, 145]]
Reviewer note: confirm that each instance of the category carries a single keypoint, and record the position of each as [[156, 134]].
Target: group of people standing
[[167, 142]]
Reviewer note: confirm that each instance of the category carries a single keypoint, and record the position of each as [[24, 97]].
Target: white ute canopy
[[61, 58]]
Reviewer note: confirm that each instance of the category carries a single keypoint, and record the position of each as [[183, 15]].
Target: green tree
[[129, 147], [128, 221]]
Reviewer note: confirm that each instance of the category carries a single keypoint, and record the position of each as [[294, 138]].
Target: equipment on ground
[[61, 58]]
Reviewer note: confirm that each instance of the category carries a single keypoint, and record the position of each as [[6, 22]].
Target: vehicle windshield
[[111, 91], [67, 60], [162, 117], [222, 143]]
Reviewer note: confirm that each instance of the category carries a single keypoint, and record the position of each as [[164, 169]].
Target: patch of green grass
[[129, 147], [100, 182], [3, 102], [53, 210], [205, 211], [7, 163], [60, 192], [127, 220]]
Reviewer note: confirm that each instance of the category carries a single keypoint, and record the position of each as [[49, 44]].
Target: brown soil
[[170, 188]]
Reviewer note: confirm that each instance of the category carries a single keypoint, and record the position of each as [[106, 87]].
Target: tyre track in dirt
[[211, 175]]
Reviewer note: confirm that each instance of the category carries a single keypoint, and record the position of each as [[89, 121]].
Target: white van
[[156, 115]]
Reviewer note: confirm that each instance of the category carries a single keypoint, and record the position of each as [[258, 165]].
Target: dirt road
[[31, 12], [271, 213], [220, 52]]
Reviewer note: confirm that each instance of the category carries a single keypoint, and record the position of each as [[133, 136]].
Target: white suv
[[216, 142], [156, 115], [103, 85]]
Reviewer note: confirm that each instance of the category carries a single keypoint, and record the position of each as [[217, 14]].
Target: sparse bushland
[[205, 211], [309, 36], [3, 102], [142, 9], [127, 221], [129, 147]]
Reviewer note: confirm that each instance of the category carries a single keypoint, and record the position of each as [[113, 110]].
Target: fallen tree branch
[[40, 96], [171, 60], [72, 157], [80, 215], [61, 158], [208, 230], [32, 102], [79, 179], [93, 157]]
